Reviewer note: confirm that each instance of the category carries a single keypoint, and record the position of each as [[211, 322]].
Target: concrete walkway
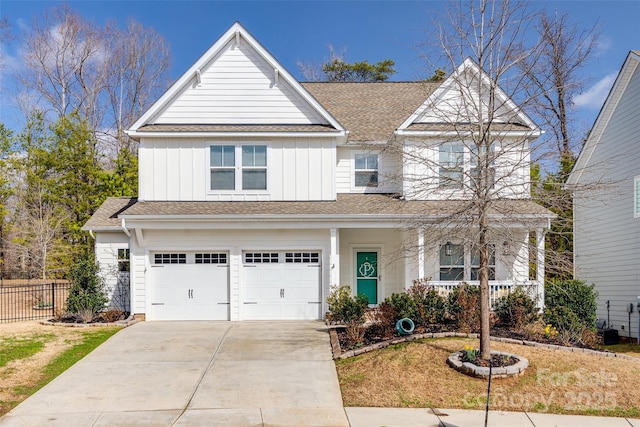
[[231, 374], [411, 417], [196, 374]]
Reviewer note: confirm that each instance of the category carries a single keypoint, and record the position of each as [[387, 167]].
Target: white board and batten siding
[[178, 170], [238, 86], [607, 236]]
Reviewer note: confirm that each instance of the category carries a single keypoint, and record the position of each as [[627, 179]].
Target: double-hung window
[[366, 170], [254, 167], [480, 155], [451, 262], [454, 261], [475, 263], [223, 167], [451, 165], [227, 173]]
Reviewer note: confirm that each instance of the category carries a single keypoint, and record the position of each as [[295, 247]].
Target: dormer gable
[[463, 99], [236, 82]]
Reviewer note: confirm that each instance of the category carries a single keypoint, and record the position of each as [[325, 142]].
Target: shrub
[[429, 306], [87, 295], [345, 308], [515, 309], [385, 318], [463, 305], [354, 334], [570, 306], [403, 305], [569, 303]]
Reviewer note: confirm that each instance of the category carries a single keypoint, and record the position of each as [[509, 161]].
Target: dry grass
[[21, 374], [416, 375]]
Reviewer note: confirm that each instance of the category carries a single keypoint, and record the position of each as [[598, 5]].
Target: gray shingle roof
[[234, 128], [369, 206], [106, 216], [371, 111]]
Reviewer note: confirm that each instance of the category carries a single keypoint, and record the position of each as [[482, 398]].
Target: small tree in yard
[[86, 296]]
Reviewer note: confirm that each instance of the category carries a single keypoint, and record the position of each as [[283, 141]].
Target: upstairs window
[[477, 155], [223, 167], [249, 173], [254, 167], [366, 170], [451, 166]]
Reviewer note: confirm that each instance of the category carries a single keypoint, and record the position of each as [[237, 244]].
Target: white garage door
[[281, 285], [189, 286]]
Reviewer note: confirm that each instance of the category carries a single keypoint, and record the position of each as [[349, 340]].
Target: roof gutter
[[135, 134]]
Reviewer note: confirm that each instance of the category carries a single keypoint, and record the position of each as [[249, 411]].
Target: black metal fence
[[22, 299]]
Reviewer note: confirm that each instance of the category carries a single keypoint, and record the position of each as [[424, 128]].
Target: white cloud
[[594, 97]]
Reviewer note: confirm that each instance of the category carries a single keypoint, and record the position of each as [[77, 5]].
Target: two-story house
[[257, 193]]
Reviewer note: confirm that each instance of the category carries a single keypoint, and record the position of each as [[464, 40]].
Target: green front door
[[367, 275]]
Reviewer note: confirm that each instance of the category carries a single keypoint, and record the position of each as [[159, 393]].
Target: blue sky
[[302, 31]]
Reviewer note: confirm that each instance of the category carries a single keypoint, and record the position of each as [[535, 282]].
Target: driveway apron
[[196, 374]]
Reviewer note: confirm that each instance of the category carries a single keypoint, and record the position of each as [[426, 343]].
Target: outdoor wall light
[[505, 248], [448, 249]]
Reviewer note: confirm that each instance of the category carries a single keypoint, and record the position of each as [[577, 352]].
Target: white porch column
[[334, 258], [420, 253], [540, 264]]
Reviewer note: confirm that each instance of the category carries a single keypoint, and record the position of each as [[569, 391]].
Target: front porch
[[378, 262]]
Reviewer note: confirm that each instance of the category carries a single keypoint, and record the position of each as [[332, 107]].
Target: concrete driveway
[[196, 374]]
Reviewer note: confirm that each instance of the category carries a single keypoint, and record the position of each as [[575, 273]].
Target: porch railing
[[497, 289]]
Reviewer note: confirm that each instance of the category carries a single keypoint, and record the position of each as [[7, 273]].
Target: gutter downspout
[[93, 236], [124, 228]]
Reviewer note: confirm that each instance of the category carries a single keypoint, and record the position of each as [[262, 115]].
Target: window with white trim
[[451, 165], [223, 167], [254, 167], [454, 259], [491, 173], [366, 170], [123, 260], [636, 197], [228, 174], [475, 263], [451, 262]]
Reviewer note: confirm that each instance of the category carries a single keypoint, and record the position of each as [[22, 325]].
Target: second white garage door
[[281, 285]]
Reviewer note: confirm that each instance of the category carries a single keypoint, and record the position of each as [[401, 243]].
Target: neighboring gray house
[[606, 179]]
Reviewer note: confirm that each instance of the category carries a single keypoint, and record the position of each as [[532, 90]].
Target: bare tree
[[481, 156], [555, 79], [564, 49], [137, 72], [65, 58]]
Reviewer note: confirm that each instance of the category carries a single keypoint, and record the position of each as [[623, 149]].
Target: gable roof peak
[[237, 34]]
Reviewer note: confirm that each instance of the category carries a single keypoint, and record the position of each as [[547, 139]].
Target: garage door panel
[[281, 290], [189, 292]]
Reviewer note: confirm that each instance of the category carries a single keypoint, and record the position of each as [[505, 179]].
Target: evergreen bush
[[87, 294], [346, 308]]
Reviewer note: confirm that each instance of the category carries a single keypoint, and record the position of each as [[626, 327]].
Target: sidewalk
[[413, 417]]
